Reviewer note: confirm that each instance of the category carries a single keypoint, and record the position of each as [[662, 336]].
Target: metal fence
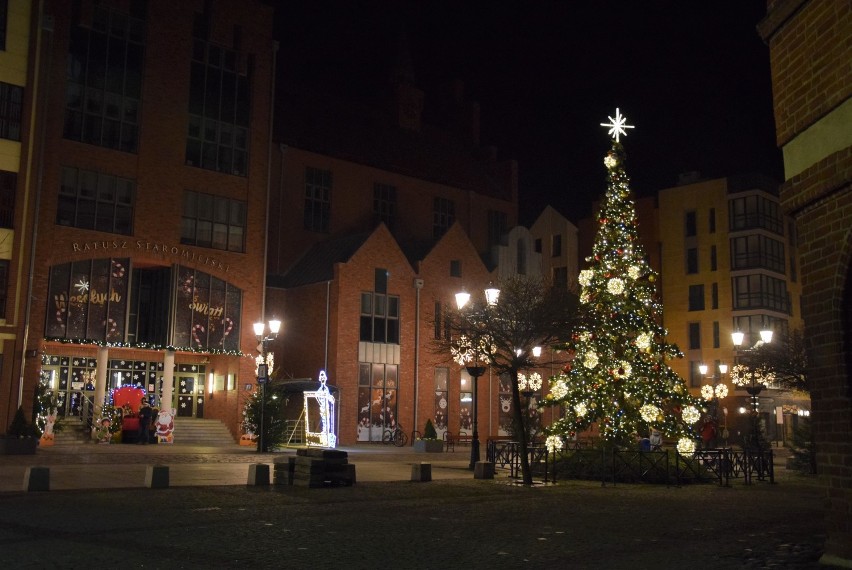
[[619, 466]]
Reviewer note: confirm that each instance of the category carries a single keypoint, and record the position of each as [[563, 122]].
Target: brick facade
[[161, 174], [810, 54]]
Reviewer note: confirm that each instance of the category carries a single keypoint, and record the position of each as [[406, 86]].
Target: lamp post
[[263, 373], [472, 353], [753, 380], [713, 393]]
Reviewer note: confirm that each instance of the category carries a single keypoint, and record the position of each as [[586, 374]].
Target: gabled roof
[[317, 264]]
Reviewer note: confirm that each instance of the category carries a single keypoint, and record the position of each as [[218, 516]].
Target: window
[[379, 318], [692, 260], [556, 245], [437, 320], [714, 296], [713, 264], [466, 404], [761, 292], [4, 285], [104, 80], [455, 268], [694, 330], [95, 201], [219, 107], [8, 183], [690, 225], [715, 334], [11, 97], [755, 211], [711, 220], [317, 199], [696, 297], [377, 399], [384, 204], [442, 385], [443, 216], [751, 325], [4, 18], [757, 251], [213, 221], [497, 223], [537, 245], [695, 377]]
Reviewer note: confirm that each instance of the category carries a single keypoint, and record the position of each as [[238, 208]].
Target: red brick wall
[[810, 54]]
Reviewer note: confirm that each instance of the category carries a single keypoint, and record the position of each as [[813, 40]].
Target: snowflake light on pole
[[620, 381]]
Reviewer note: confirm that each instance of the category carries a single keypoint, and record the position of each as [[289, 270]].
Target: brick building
[[379, 217], [149, 151], [809, 52]]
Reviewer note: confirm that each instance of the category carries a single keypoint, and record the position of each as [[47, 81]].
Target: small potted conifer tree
[[429, 443]]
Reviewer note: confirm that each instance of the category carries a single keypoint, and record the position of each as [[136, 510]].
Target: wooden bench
[[452, 439]]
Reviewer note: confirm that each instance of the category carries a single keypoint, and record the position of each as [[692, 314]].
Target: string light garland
[[143, 346]]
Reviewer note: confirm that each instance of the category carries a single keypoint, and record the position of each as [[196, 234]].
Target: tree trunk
[[521, 429]]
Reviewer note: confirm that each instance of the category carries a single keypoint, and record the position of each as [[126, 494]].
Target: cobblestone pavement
[[452, 522]]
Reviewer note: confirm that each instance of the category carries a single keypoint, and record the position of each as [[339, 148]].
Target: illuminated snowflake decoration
[[462, 352], [617, 125], [707, 392], [581, 410], [643, 341], [531, 382], [742, 375], [553, 443], [634, 272], [585, 278], [585, 297], [615, 286], [610, 161], [590, 360], [623, 371], [82, 286], [685, 446], [721, 390], [691, 414], [649, 412], [270, 361], [559, 389]]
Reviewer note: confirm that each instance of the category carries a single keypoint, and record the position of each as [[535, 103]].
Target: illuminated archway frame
[[325, 403]]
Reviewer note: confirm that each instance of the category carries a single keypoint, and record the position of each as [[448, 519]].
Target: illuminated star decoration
[[617, 125], [82, 286]]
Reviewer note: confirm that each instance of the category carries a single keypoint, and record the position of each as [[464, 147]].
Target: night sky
[[692, 76]]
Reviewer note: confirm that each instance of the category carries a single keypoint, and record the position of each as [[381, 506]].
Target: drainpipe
[[44, 24], [418, 285], [268, 177]]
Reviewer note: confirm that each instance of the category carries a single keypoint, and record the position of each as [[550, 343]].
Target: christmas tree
[[619, 378]]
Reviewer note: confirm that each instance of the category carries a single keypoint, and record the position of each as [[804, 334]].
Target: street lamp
[[470, 353], [713, 393], [753, 380], [263, 373]]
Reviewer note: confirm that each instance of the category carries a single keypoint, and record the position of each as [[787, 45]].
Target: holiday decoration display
[[621, 381], [319, 405]]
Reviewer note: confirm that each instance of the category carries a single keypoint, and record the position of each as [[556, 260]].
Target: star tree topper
[[617, 125]]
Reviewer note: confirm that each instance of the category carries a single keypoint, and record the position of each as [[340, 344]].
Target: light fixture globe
[[737, 338]]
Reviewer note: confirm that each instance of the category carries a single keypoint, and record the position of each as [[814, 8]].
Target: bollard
[[483, 470], [157, 477], [258, 474], [421, 472], [37, 479]]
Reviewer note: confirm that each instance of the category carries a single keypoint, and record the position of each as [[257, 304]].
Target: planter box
[[18, 446], [428, 446]]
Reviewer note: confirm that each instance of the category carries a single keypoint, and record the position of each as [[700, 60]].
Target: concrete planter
[[428, 446], [18, 445]]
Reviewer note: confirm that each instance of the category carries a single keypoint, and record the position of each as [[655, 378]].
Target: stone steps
[[198, 431]]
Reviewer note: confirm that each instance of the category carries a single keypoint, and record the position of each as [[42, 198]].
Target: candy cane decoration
[[229, 324], [187, 285], [118, 270], [195, 330]]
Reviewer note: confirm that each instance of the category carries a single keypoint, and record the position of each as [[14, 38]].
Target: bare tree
[[528, 313]]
